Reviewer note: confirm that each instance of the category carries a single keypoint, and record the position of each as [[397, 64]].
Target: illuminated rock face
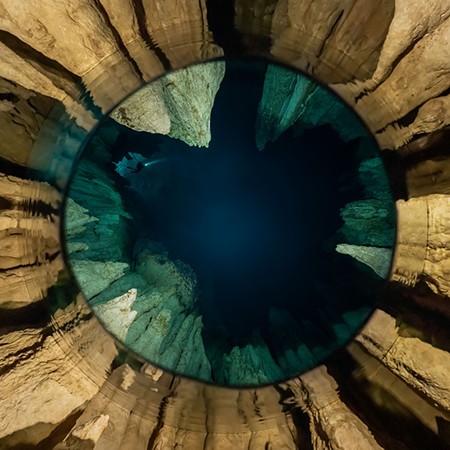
[[164, 108], [291, 100], [414, 35], [157, 318]]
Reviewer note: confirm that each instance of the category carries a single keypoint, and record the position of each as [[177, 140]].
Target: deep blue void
[[259, 228]]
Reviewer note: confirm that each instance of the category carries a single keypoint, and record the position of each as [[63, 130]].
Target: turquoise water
[[253, 259]]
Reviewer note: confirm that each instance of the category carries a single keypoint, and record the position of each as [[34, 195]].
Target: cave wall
[[46, 50]]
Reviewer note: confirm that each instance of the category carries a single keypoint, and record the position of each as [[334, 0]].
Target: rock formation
[[117, 314], [284, 96], [388, 389], [157, 317], [290, 99], [378, 259], [163, 107]]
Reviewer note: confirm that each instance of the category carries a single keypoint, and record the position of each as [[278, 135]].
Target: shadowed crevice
[[56, 72], [143, 31]]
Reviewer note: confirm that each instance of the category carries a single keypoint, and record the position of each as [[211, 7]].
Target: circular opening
[[231, 222]]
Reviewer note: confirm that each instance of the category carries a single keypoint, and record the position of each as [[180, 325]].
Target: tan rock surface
[[333, 424], [418, 363], [175, 24], [123, 18], [328, 30], [29, 254], [407, 88], [432, 116], [21, 118], [74, 33], [411, 22], [36, 372], [423, 242], [410, 250], [190, 115], [14, 68], [437, 260], [85, 436]]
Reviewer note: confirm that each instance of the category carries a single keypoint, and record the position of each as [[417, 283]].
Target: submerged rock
[[96, 222], [378, 259], [371, 220], [325, 108], [95, 276], [145, 110], [117, 314], [368, 222], [178, 104], [251, 364], [284, 95], [189, 95], [163, 325], [291, 99]]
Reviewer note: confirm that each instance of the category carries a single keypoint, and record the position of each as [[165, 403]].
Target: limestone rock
[[325, 108], [95, 276], [423, 242], [54, 29], [171, 23], [37, 371], [437, 260], [430, 81], [95, 234], [250, 365], [373, 178], [19, 126], [30, 253], [284, 96], [145, 110], [104, 421], [117, 314], [432, 116], [368, 222], [418, 363], [22, 286], [292, 99], [333, 424], [378, 259], [411, 248], [411, 22], [189, 96], [86, 435], [165, 326], [173, 279], [76, 218], [95, 213], [178, 104], [20, 71], [329, 30]]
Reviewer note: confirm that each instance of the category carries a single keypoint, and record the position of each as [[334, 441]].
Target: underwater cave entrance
[[231, 222]]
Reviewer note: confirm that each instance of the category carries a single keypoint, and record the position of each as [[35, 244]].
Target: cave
[[247, 256], [93, 116]]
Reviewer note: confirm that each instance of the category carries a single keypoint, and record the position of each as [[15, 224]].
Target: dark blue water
[[256, 227]]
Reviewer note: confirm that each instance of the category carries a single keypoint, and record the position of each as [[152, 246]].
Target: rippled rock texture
[[397, 393]]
